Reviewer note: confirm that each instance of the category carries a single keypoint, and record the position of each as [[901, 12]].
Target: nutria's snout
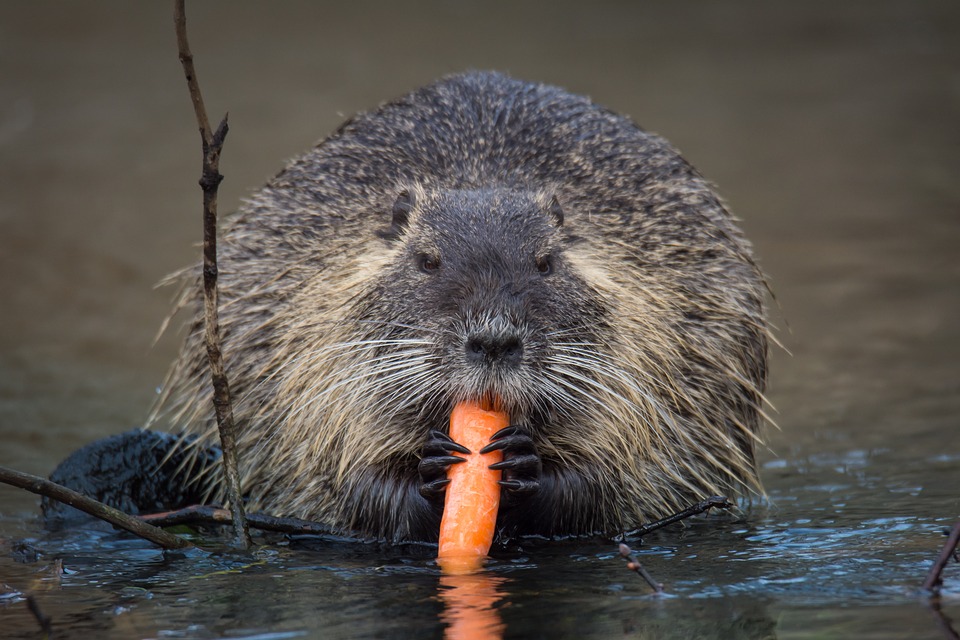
[[486, 348], [495, 356]]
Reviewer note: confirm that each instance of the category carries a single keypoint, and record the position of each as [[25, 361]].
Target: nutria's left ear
[[556, 211], [400, 215]]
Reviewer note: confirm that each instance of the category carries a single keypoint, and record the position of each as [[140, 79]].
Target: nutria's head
[[487, 290]]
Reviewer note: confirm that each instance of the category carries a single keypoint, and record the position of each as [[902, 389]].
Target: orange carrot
[[473, 495]]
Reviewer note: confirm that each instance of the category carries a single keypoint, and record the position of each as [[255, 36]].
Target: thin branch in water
[[634, 565], [210, 515], [199, 514], [209, 183], [45, 621], [943, 622], [714, 502], [54, 491], [949, 550]]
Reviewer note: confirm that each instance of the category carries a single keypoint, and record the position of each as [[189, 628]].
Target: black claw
[[519, 462], [506, 431], [441, 441], [434, 488], [518, 441], [438, 464], [493, 446], [520, 487], [437, 456]]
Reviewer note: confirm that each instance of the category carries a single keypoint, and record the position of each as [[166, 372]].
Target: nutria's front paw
[[521, 463], [435, 460]]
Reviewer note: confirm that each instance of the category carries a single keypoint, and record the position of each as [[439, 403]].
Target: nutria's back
[[480, 236]]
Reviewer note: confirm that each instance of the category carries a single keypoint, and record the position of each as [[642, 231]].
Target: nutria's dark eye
[[428, 264], [544, 265]]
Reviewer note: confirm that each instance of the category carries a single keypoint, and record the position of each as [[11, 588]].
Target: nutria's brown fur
[[484, 235]]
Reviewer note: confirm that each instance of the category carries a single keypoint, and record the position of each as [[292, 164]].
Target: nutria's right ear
[[400, 216], [556, 211]]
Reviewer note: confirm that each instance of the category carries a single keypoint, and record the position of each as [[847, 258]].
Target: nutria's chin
[[487, 238]]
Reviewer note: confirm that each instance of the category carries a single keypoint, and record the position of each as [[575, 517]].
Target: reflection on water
[[780, 572], [470, 606], [832, 130]]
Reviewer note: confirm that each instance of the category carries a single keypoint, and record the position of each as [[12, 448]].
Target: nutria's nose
[[487, 348]]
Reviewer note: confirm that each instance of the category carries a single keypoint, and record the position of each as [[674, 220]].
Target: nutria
[[484, 237]]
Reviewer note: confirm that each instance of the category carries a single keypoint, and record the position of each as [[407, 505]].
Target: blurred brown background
[[832, 129]]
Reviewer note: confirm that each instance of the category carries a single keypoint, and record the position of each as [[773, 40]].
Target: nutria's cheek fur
[[486, 236]]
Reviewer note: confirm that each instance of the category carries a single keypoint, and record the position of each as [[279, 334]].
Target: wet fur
[[647, 397]]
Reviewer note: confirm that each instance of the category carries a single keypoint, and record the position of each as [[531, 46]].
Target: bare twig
[[634, 565], [209, 515], [714, 502], [943, 622], [43, 619], [718, 502], [935, 576], [210, 182], [44, 487]]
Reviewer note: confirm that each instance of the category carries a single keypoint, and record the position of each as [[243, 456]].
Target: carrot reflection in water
[[470, 606]]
